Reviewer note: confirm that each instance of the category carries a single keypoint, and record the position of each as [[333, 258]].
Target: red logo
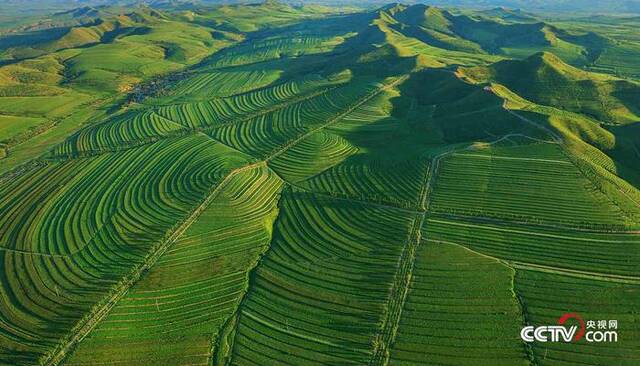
[[592, 331], [563, 319]]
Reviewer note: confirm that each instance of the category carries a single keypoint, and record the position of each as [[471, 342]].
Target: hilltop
[[545, 79]]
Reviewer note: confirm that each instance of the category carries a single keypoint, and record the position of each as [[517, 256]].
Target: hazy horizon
[[565, 6]]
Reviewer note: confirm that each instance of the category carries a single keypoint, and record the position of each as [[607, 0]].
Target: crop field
[[334, 290], [223, 84], [122, 131], [76, 258], [453, 286], [13, 126], [599, 298], [564, 249], [243, 105], [269, 184], [273, 48], [379, 168], [535, 183], [171, 319]]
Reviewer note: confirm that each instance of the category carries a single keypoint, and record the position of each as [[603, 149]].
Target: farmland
[[266, 184]]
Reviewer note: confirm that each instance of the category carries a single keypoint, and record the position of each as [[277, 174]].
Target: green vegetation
[[530, 183], [560, 249], [306, 279], [597, 298], [11, 127], [73, 260], [451, 287], [266, 184], [544, 79], [174, 317]]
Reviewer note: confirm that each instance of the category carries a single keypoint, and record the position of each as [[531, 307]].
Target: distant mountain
[[510, 15], [75, 28], [491, 32], [573, 6], [463, 33], [581, 6]]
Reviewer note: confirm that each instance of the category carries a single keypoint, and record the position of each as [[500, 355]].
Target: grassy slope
[[69, 86], [543, 78], [604, 147], [340, 269], [452, 285]]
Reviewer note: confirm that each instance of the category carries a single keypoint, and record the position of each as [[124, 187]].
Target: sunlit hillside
[[277, 184]]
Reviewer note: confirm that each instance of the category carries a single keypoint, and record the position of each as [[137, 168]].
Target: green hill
[[269, 184], [480, 34], [498, 31], [545, 79], [510, 15], [99, 30]]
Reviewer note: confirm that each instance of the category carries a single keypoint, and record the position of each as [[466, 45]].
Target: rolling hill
[[267, 184], [545, 79]]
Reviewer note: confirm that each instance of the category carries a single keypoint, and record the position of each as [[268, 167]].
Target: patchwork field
[[534, 183], [266, 184], [458, 298], [171, 319]]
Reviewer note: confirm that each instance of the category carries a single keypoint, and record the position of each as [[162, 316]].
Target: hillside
[[54, 80], [272, 184], [545, 79]]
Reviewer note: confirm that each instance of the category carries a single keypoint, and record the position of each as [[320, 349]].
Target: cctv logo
[[561, 333], [555, 332]]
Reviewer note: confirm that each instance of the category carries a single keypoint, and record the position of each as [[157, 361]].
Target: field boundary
[[186, 130], [217, 357], [402, 278], [397, 296], [337, 118], [599, 276], [101, 310], [575, 159]]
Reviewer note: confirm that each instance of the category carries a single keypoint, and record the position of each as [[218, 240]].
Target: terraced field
[[243, 105], [320, 291], [127, 130], [171, 319], [534, 183], [598, 298], [207, 85], [605, 252], [453, 287], [304, 185], [57, 267], [270, 48]]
